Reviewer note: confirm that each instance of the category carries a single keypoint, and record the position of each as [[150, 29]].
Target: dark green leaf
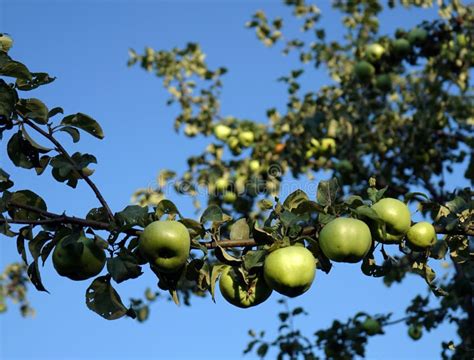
[[37, 243], [123, 267], [39, 79], [15, 69], [21, 153], [33, 143], [29, 198], [84, 122], [75, 135], [33, 109], [224, 257], [35, 276], [102, 298], [166, 207], [132, 215], [8, 98]]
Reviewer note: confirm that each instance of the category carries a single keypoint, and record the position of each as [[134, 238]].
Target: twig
[[63, 151]]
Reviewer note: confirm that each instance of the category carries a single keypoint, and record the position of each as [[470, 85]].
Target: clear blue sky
[[84, 44]]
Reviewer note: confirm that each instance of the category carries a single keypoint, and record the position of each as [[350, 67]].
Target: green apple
[[290, 270], [422, 235], [401, 47], [254, 165], [229, 197], [315, 144], [417, 36], [383, 82], [374, 51], [222, 132], [6, 42], [328, 144], [363, 70], [345, 240], [397, 218], [238, 293], [246, 138], [371, 326], [78, 262], [166, 245], [222, 183], [415, 332]]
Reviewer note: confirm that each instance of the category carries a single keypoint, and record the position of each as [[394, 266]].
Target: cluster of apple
[[399, 48], [236, 139], [288, 270], [323, 146], [291, 270]]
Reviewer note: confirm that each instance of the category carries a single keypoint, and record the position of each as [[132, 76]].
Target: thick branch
[[63, 151]]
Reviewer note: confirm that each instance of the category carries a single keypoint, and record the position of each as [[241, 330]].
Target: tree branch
[[64, 152], [52, 218]]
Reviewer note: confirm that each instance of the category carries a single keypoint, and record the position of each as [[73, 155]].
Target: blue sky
[[84, 44]]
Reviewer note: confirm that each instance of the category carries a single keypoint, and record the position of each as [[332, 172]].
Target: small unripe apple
[[221, 184], [328, 144], [401, 47], [417, 36], [246, 138], [233, 142], [222, 132], [374, 51], [372, 326], [415, 332], [229, 197], [363, 70], [315, 144], [383, 82], [254, 165]]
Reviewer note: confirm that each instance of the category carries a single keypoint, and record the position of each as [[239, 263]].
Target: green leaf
[[5, 182], [102, 298], [84, 122], [166, 207], [240, 230], [33, 109], [21, 153], [328, 192], [75, 135], [214, 214], [123, 267], [35, 276], [29, 198], [98, 214], [295, 199], [225, 257], [38, 80], [195, 228], [132, 215], [15, 69], [375, 195], [262, 350], [254, 259], [8, 98], [262, 236], [216, 271], [33, 143], [366, 212], [37, 243]]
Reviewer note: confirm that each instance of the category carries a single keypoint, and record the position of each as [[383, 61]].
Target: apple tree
[[396, 117]]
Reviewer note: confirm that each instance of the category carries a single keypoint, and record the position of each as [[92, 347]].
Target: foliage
[[391, 120]]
